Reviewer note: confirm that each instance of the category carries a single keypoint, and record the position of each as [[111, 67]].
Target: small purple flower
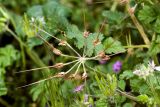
[[117, 66], [102, 62], [78, 88]]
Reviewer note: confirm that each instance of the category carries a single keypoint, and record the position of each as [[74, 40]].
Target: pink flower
[[78, 88], [117, 66]]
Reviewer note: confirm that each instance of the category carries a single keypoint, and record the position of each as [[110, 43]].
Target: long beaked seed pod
[[96, 42], [60, 74], [84, 75], [57, 51], [62, 43], [58, 65], [85, 34], [101, 54], [75, 77], [105, 58]]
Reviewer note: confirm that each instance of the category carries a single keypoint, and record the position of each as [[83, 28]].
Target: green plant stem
[[127, 95], [138, 25], [137, 46], [23, 57], [3, 102], [114, 6], [34, 57], [31, 53], [140, 29]]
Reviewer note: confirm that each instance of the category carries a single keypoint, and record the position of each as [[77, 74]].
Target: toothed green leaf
[[113, 46]]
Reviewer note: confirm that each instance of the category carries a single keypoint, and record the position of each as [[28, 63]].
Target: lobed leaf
[[112, 46]]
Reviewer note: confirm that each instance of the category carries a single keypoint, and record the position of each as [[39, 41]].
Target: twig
[[127, 95], [138, 25]]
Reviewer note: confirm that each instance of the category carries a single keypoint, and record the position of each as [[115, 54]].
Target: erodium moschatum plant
[[89, 48]]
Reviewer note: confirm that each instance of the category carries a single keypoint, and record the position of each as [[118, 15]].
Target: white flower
[[152, 65], [38, 19], [32, 20], [41, 19], [144, 71]]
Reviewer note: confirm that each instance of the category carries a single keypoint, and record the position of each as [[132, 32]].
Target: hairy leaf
[[114, 17], [155, 46], [113, 46], [7, 56], [147, 14]]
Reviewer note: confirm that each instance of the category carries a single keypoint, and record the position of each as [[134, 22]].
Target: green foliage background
[[20, 49]]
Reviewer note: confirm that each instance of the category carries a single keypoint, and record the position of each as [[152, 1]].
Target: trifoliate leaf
[[112, 46]]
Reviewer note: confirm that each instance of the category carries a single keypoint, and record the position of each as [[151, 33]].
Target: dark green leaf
[[147, 14], [112, 46], [155, 46], [114, 16]]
